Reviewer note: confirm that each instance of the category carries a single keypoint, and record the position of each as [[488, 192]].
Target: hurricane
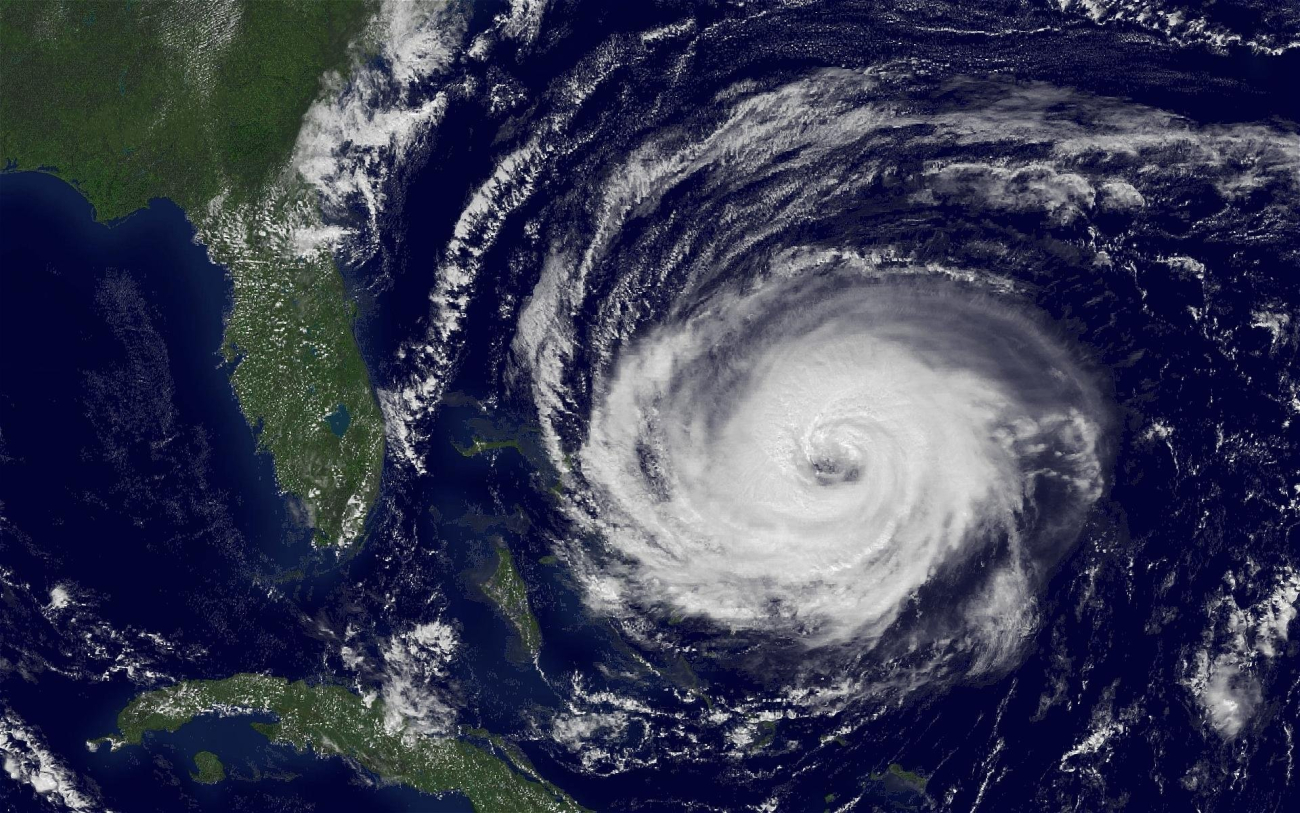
[[791, 363], [808, 439], [807, 455]]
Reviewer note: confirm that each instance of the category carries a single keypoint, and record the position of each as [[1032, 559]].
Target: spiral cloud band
[[777, 424], [784, 345], [809, 455]]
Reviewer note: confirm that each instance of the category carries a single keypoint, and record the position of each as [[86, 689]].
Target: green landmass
[[517, 757], [768, 729], [480, 446], [331, 720], [493, 436], [508, 592], [187, 101], [911, 779], [211, 771], [202, 103]]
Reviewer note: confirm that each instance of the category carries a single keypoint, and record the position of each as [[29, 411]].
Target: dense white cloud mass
[[1239, 643], [415, 674], [29, 761], [807, 456]]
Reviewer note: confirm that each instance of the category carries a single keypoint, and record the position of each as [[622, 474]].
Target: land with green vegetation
[[766, 736], [481, 446], [507, 590], [910, 779], [331, 720], [211, 771], [202, 104]]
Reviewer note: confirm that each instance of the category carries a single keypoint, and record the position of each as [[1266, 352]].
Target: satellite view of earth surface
[[561, 405]]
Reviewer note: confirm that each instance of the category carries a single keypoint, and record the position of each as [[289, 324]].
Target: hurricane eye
[[830, 472]]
